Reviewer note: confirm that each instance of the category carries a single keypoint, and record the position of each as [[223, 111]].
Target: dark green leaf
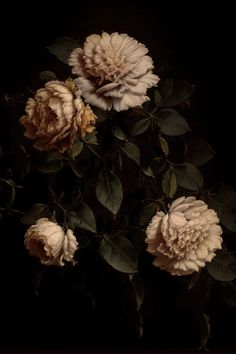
[[91, 138], [169, 184], [164, 146], [148, 172], [188, 176], [76, 149], [147, 212], [62, 47], [109, 191], [46, 76], [53, 163], [199, 152], [166, 88], [175, 92], [36, 212], [224, 202], [101, 115], [118, 133], [223, 267], [132, 152], [82, 218], [157, 98], [172, 123], [140, 127], [119, 253]]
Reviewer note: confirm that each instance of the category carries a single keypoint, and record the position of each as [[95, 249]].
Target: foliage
[[108, 186]]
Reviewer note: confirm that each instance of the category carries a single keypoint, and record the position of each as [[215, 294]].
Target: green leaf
[[82, 218], [147, 212], [188, 176], [75, 150], [157, 98], [223, 267], [36, 212], [91, 138], [132, 152], [169, 184], [166, 88], [118, 133], [148, 172], [140, 127], [53, 163], [109, 191], [199, 152], [224, 202], [101, 115], [62, 47], [119, 253], [46, 76], [164, 146], [174, 92], [172, 123]]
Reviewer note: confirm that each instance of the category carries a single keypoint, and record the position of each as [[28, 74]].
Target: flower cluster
[[114, 72], [109, 182]]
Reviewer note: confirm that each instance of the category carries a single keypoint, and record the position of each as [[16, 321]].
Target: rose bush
[[129, 194]]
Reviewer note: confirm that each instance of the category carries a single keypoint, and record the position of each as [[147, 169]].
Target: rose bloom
[[114, 71], [48, 241], [57, 116], [185, 238]]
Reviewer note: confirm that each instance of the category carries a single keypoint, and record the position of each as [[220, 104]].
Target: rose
[[114, 71], [48, 241], [56, 116], [185, 238]]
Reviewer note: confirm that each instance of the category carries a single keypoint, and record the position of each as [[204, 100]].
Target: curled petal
[[114, 71], [48, 241], [185, 238]]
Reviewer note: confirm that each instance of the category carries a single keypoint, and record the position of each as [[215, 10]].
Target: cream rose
[[114, 71], [48, 241], [57, 116], [185, 238]]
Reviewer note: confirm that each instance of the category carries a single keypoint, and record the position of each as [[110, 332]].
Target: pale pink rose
[[57, 116], [48, 241], [185, 238], [114, 71]]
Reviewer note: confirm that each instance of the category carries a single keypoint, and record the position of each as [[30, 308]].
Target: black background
[[198, 43]]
